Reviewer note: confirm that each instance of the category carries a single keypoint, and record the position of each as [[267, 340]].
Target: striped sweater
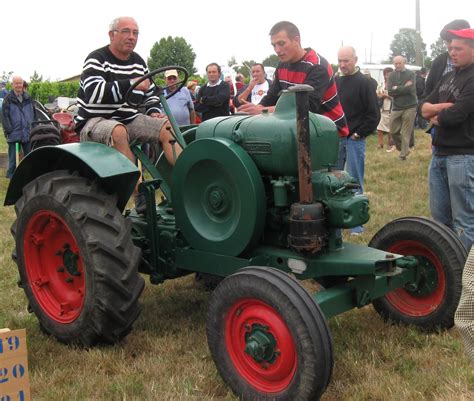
[[105, 80], [313, 70]]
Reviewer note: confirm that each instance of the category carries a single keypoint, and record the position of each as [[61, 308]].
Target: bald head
[[347, 60], [399, 63]]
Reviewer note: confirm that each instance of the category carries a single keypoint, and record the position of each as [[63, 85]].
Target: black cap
[[453, 25]]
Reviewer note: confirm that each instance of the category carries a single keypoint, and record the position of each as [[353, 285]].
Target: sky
[[54, 37]]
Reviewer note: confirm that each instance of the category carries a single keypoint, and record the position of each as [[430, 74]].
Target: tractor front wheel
[[77, 263], [268, 337], [431, 302]]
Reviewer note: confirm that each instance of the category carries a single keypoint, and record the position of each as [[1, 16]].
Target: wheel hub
[[70, 261], [427, 279], [260, 344], [218, 200]]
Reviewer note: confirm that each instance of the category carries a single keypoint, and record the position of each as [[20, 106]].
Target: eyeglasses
[[171, 78], [127, 32]]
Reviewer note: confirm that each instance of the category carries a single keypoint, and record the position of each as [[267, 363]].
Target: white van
[[376, 70]]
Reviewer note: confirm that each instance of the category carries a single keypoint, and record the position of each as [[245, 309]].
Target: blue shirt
[[180, 105]]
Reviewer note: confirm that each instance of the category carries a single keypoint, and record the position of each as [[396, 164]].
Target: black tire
[[263, 298], [77, 263], [442, 256]]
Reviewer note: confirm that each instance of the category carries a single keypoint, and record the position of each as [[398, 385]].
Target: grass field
[[166, 357]]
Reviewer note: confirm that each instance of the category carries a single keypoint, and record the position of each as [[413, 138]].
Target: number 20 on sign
[[14, 382]]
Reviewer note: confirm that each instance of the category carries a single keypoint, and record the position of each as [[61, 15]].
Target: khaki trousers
[[401, 127]]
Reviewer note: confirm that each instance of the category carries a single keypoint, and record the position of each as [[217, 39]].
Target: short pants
[[142, 129]]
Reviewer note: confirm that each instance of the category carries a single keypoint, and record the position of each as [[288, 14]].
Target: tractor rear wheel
[[77, 263], [431, 302], [268, 337]]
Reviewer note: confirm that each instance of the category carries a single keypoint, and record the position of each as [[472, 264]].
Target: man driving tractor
[[104, 116]]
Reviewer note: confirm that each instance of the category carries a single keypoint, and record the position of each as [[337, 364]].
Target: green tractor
[[254, 205]]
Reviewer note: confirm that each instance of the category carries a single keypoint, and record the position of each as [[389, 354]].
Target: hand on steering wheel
[[160, 89]]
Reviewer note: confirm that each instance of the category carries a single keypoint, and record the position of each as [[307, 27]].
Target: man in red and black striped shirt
[[301, 66]]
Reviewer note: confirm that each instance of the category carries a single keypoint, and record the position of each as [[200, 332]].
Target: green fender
[[92, 160]]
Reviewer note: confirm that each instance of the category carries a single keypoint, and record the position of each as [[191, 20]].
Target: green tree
[[437, 48], [232, 61], [36, 77], [246, 68], [428, 62], [46, 91], [271, 61], [172, 51], [403, 44], [6, 76]]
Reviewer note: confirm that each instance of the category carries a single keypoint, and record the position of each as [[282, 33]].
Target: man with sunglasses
[[103, 114]]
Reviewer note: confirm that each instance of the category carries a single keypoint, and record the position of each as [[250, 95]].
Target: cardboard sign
[[14, 379]]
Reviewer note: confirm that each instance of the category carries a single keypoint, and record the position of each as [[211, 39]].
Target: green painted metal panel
[[270, 138], [92, 160], [351, 260], [361, 291], [207, 262], [218, 197]]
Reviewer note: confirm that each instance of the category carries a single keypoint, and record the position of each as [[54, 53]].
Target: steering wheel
[[160, 89]]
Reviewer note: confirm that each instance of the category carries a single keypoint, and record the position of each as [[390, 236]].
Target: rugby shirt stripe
[[104, 82]]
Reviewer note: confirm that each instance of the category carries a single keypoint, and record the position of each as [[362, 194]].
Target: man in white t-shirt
[[256, 89]]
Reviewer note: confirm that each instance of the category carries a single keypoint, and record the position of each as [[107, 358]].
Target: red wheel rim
[[264, 377], [408, 303], [59, 293]]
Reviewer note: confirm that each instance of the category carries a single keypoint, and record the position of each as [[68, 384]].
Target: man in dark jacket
[[442, 64], [450, 107], [213, 98], [420, 76], [18, 114], [359, 102]]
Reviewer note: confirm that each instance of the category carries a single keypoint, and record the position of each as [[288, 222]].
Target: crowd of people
[[443, 99]]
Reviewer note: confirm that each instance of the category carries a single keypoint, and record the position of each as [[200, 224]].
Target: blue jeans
[[451, 180], [352, 157], [12, 156]]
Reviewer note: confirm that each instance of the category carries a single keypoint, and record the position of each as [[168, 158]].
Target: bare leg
[[120, 142], [165, 138], [380, 139], [390, 140]]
